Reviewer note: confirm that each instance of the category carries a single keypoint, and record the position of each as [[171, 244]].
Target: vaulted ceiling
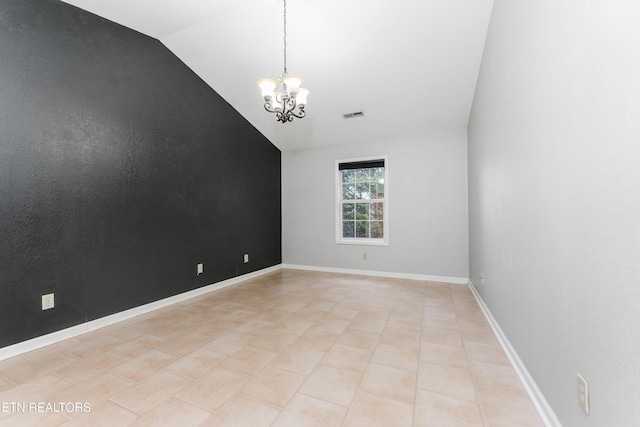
[[410, 65]]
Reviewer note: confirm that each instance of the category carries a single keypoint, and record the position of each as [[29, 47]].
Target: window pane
[[362, 229], [362, 191], [377, 173], [379, 190], [377, 230], [348, 229], [362, 175], [348, 175], [376, 211], [348, 192], [348, 211], [362, 211], [373, 188]]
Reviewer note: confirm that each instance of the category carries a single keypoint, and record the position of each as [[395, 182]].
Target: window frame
[[367, 241]]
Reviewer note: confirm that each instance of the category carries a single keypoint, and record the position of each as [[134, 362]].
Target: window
[[362, 196]]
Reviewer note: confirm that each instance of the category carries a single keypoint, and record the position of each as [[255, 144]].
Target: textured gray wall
[[427, 196], [120, 170], [554, 198]]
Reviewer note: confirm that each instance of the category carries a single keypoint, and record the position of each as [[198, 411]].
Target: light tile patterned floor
[[291, 348]]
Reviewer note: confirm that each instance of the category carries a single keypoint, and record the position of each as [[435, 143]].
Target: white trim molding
[[54, 337], [543, 408], [410, 276]]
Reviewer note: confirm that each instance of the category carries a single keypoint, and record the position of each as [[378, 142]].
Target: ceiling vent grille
[[353, 115]]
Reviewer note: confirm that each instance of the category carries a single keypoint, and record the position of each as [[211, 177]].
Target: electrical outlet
[[246, 258], [583, 394], [47, 302], [200, 269], [482, 278]]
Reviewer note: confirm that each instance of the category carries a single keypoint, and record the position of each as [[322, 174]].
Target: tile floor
[[290, 348]]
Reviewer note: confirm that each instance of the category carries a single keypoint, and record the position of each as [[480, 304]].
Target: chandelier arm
[[300, 115], [290, 103], [267, 106]]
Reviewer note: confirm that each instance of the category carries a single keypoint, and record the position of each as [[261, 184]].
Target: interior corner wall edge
[[120, 171], [428, 214], [554, 149]]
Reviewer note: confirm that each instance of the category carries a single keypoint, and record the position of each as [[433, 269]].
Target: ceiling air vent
[[353, 115]]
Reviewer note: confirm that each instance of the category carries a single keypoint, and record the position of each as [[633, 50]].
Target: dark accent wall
[[120, 170]]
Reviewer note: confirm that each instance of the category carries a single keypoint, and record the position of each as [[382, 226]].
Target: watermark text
[[43, 407]]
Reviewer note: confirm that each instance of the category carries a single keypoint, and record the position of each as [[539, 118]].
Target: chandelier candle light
[[285, 98]]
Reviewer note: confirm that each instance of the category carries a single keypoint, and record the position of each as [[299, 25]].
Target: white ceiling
[[410, 65]]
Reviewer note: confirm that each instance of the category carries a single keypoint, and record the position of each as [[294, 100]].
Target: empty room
[[302, 213]]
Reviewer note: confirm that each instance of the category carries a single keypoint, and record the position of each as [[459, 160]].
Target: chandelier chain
[[285, 37]]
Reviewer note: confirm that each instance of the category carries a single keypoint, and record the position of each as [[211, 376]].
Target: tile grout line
[[471, 373], [349, 409], [415, 397]]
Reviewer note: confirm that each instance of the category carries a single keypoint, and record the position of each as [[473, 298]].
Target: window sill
[[363, 242]]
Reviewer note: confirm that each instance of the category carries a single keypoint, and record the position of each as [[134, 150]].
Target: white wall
[[554, 197], [428, 210]]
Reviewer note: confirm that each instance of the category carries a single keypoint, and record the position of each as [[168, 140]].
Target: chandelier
[[284, 97]]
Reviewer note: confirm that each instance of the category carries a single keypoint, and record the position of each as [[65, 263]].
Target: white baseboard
[[54, 337], [547, 415], [456, 280]]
